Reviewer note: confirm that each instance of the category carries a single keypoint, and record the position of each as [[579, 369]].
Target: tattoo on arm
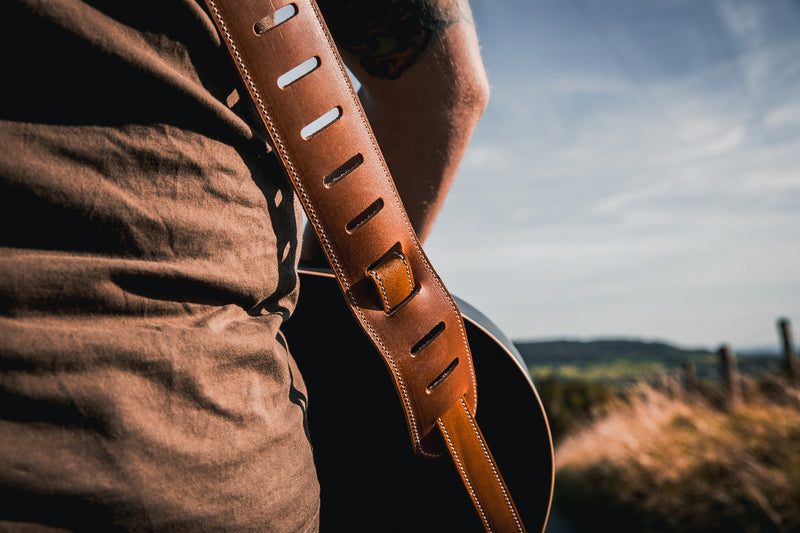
[[388, 36]]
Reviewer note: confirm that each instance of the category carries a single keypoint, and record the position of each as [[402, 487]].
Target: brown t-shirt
[[147, 262]]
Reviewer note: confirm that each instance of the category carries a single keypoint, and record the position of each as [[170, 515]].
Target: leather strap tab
[[393, 280], [478, 470]]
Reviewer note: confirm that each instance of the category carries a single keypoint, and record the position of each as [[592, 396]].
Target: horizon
[[744, 351]]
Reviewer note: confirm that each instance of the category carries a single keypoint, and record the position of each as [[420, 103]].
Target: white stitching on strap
[[383, 288], [497, 478], [408, 271], [465, 476]]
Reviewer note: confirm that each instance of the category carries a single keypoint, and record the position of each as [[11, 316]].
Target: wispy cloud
[[637, 203]]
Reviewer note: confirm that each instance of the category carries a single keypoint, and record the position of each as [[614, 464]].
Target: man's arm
[[423, 87]]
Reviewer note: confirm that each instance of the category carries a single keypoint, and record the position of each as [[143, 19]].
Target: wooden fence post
[[690, 378], [730, 376], [790, 359]]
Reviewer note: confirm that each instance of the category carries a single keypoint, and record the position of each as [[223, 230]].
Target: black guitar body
[[370, 477]]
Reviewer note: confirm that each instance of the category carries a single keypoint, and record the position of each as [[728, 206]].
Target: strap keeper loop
[[393, 280]]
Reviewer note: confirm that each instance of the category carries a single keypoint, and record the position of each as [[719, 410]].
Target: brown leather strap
[[478, 470], [359, 218], [324, 141]]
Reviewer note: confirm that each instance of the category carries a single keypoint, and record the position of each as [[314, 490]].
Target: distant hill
[[631, 357], [603, 351]]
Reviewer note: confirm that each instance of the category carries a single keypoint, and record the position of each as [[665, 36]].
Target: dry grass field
[[667, 462]]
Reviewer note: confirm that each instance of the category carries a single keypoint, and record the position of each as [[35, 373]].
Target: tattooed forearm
[[388, 36]]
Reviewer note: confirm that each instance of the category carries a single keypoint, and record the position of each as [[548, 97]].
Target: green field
[[618, 371]]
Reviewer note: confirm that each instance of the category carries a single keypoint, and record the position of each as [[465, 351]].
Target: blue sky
[[636, 174]]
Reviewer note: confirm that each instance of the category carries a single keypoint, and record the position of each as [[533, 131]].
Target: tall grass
[[659, 462]]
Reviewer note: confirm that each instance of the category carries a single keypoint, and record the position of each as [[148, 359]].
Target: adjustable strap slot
[[443, 376], [343, 171], [425, 341], [273, 20], [319, 124], [365, 216], [300, 71]]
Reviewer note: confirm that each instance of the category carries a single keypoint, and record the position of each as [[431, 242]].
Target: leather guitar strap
[[327, 147]]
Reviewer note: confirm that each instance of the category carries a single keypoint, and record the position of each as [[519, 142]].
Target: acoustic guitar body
[[370, 478]]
